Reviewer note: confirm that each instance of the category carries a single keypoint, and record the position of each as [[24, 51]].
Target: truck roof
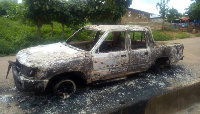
[[116, 27]]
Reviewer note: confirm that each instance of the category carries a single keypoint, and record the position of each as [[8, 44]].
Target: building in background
[[138, 17]]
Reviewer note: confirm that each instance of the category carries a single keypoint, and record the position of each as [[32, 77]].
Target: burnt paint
[[98, 66]]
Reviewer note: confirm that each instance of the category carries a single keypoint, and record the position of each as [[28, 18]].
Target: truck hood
[[44, 56]]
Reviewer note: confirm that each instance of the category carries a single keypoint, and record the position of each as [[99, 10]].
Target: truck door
[[140, 53], [111, 58]]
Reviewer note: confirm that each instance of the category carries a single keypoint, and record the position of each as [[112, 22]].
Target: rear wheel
[[64, 88]]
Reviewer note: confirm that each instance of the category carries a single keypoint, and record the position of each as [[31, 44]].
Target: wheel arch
[[161, 62], [77, 76], [163, 58]]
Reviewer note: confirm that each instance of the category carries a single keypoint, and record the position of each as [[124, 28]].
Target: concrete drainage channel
[[168, 91], [176, 101]]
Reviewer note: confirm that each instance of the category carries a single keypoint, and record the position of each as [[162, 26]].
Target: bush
[[14, 35], [5, 47], [161, 36]]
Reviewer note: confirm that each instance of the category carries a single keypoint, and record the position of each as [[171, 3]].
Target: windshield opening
[[84, 39]]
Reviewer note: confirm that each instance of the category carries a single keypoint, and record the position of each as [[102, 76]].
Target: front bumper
[[24, 84]]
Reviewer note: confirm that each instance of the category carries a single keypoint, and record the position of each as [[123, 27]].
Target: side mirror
[[98, 50]]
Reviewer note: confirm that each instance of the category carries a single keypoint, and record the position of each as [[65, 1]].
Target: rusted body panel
[[115, 54]]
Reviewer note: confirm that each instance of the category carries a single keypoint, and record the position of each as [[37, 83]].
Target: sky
[[19, 1], [150, 5]]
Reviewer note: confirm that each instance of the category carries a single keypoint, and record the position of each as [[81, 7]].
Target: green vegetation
[[74, 12], [193, 10], [84, 35], [169, 29], [37, 22], [182, 35], [162, 6], [20, 25], [197, 34], [161, 36], [15, 36], [173, 14]]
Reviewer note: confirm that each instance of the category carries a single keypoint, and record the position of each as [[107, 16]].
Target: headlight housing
[[27, 71]]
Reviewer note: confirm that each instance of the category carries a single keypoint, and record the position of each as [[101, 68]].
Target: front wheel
[[65, 88]]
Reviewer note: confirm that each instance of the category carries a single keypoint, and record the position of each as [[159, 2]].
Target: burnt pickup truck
[[94, 53]]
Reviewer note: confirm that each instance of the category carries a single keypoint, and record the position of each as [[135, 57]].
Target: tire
[[64, 88]]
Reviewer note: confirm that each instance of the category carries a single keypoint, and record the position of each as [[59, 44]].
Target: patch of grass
[[182, 35], [161, 36], [197, 34], [15, 36], [169, 29]]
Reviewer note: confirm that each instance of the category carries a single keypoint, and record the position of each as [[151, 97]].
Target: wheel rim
[[65, 88]]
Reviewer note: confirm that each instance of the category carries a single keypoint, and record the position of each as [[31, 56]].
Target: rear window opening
[[138, 39]]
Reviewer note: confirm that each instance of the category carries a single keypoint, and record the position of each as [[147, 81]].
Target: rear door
[[140, 53]]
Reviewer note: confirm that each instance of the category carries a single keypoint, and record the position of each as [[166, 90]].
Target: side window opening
[[138, 39], [115, 41]]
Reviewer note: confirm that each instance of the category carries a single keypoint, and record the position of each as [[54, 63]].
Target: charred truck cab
[[92, 54]]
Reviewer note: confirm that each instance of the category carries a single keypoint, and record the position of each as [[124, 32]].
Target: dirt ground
[[191, 61], [191, 53], [6, 83]]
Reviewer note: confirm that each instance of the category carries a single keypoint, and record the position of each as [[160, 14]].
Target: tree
[[194, 10], [40, 12], [75, 12], [6, 6], [12, 10], [2, 8], [62, 15], [70, 13], [65, 12], [173, 14], [163, 9], [106, 11]]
